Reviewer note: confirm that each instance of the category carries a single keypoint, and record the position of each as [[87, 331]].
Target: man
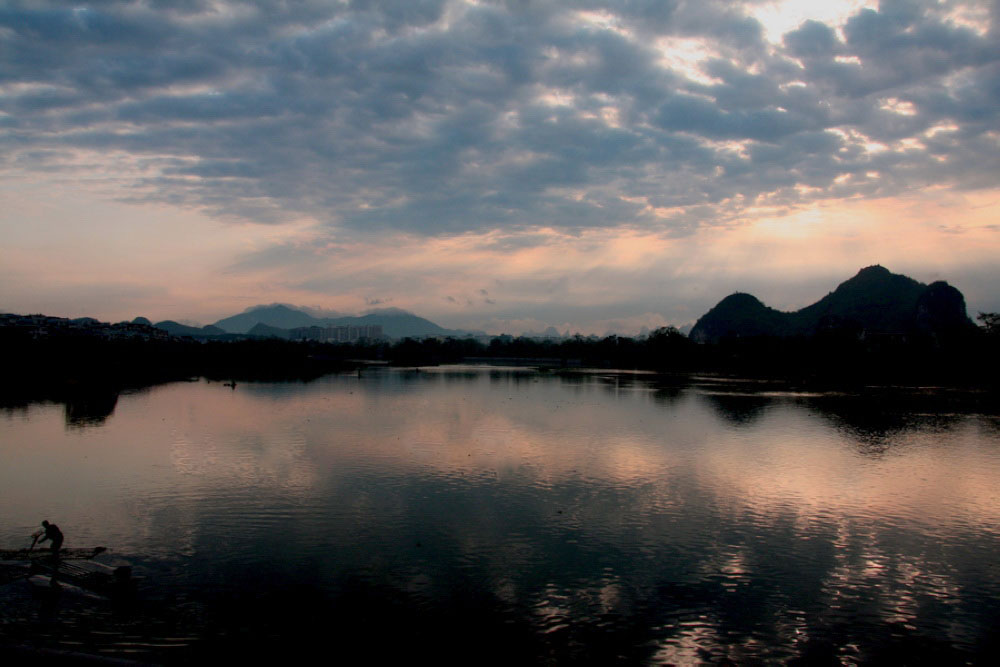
[[54, 535]]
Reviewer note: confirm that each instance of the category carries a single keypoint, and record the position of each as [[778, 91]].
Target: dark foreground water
[[479, 516]]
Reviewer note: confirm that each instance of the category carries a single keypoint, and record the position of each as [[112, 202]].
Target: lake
[[504, 515]]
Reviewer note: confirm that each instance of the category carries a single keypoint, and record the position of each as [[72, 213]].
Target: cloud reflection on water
[[598, 510]]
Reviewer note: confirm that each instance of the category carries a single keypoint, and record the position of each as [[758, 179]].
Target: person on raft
[[52, 533]]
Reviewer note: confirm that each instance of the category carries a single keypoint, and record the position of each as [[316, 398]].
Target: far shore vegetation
[[61, 362]]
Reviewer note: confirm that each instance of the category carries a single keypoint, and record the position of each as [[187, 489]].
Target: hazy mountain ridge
[[275, 315], [178, 329], [279, 319], [873, 301], [267, 331]]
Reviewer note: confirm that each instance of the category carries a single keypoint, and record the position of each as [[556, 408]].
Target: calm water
[[495, 515]]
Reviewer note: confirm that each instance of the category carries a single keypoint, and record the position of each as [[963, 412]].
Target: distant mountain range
[[277, 320], [875, 301], [278, 316]]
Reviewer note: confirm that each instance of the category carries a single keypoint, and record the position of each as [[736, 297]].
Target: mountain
[[740, 315], [874, 301], [396, 323], [941, 306], [275, 315], [177, 329], [267, 331], [277, 320]]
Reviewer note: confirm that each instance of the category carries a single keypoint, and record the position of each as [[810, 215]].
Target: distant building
[[44, 326], [338, 334]]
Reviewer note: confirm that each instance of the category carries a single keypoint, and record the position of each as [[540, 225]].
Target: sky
[[498, 165]]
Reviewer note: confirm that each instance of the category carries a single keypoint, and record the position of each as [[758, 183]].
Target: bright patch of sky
[[627, 164], [685, 57], [787, 15]]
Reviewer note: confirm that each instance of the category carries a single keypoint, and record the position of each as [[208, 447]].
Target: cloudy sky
[[500, 165]]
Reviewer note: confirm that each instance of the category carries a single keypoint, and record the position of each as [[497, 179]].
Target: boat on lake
[[33, 555], [74, 569]]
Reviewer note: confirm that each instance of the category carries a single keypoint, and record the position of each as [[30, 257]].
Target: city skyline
[[499, 166]]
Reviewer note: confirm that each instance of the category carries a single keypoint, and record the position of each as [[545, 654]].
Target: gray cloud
[[435, 117]]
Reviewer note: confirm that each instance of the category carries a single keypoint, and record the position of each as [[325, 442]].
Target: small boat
[[75, 567], [42, 554]]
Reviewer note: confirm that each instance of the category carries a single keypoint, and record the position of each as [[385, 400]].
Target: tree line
[[969, 356]]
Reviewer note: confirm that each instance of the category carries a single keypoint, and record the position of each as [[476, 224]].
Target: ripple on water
[[588, 520]]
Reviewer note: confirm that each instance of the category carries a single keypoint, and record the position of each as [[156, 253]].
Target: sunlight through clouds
[[782, 16], [328, 152]]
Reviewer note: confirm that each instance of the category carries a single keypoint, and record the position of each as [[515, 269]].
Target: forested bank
[[52, 364]]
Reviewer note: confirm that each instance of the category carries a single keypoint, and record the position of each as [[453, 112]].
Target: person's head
[[45, 523]]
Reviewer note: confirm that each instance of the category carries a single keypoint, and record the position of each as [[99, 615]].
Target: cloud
[[442, 118]]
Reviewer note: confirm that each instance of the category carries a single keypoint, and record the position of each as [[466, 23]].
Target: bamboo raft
[[42, 554], [71, 567]]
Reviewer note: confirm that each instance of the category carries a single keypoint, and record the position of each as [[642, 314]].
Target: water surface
[[491, 515]]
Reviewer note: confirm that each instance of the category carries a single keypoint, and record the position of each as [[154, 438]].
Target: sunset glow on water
[[596, 517]]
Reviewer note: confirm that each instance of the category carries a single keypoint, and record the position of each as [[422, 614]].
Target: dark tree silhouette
[[991, 323]]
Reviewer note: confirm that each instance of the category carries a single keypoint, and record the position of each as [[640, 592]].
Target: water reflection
[[507, 515], [90, 408], [738, 408]]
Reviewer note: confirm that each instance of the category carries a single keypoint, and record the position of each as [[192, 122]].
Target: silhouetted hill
[[277, 315], [740, 314], [875, 301], [396, 323], [177, 329], [941, 307], [277, 320], [267, 331]]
